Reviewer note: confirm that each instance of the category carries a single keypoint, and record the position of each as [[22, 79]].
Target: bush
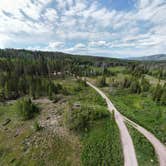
[[36, 126], [80, 118], [102, 81], [26, 109], [145, 85], [101, 145], [135, 87]]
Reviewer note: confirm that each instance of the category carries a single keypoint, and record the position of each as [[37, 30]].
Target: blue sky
[[113, 28]]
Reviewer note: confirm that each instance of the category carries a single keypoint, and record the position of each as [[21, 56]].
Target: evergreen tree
[[26, 108], [135, 86], [163, 96], [102, 81], [145, 85], [157, 93]]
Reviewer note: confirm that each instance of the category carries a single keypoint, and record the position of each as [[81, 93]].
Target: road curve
[[127, 143], [160, 149], [158, 146]]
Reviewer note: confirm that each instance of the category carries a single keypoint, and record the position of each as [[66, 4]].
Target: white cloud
[[55, 45], [50, 14], [100, 43], [95, 28], [80, 46], [3, 40]]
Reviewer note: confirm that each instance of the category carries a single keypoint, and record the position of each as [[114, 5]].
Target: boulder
[[7, 121]]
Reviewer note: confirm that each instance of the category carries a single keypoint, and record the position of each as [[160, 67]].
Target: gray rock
[[7, 121], [16, 134], [76, 105]]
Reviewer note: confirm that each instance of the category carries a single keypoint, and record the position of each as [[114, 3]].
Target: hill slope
[[158, 57]]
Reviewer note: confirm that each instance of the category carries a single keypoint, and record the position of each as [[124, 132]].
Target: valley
[[53, 110]]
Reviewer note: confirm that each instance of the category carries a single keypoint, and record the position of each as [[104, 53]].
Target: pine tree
[[163, 96], [145, 85], [135, 86], [102, 81], [157, 93]]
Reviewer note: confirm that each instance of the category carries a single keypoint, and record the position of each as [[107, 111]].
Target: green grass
[[144, 150], [142, 110], [117, 69], [101, 145], [101, 140], [49, 149], [44, 147], [154, 81]]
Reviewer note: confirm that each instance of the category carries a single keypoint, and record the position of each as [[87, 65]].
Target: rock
[[16, 134], [76, 105], [63, 101], [6, 122], [48, 118]]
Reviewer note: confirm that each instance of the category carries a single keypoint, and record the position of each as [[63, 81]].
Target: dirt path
[[158, 146], [127, 144]]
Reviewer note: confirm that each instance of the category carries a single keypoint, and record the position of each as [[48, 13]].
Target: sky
[[112, 28]]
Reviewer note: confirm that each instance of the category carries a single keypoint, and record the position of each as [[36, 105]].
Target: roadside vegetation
[[144, 150], [101, 145], [26, 109], [25, 139], [87, 115], [138, 99]]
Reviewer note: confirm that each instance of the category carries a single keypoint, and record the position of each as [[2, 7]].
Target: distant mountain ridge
[[157, 57]]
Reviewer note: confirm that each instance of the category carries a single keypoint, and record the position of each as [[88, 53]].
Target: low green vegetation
[[22, 142], [145, 152], [81, 118], [142, 110], [102, 81], [26, 109], [37, 126], [84, 107], [138, 99], [87, 115], [85, 131], [101, 145]]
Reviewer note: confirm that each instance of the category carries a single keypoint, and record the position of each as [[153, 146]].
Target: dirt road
[[127, 144], [158, 146]]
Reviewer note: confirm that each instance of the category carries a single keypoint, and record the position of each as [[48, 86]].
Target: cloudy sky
[[115, 28]]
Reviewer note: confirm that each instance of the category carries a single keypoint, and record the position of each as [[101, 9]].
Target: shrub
[[36, 126], [25, 108], [102, 81], [101, 145], [80, 118], [145, 85], [135, 87]]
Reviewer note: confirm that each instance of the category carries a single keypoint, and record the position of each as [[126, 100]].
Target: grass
[[100, 141], [117, 69], [101, 145], [154, 81], [142, 110], [30, 147], [144, 150], [46, 148]]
